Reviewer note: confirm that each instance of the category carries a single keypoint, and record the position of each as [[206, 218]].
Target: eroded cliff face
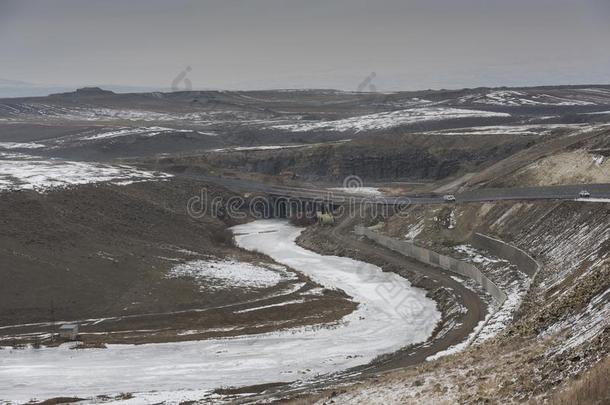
[[578, 157], [375, 158], [586, 161], [562, 327]]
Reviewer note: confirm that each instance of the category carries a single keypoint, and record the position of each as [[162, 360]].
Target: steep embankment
[[580, 156], [588, 163], [562, 327]]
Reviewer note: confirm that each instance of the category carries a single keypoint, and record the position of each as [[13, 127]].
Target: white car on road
[[449, 198], [584, 194]]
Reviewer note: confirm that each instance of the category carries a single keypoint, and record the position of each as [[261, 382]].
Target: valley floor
[[376, 327]]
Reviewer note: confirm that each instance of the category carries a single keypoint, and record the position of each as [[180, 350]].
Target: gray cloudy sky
[[410, 44]]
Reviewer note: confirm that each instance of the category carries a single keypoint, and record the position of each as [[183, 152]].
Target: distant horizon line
[[49, 90]]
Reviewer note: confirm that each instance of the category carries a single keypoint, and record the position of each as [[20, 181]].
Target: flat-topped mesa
[[87, 92], [93, 90]]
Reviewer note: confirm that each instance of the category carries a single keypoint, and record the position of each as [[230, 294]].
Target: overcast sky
[[245, 44]]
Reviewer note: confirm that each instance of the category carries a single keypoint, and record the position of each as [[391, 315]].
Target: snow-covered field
[[390, 315], [224, 274], [25, 172], [390, 119]]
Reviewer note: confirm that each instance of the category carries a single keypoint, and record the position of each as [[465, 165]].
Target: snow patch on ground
[[509, 279], [358, 190], [264, 147], [390, 119], [225, 274], [21, 145], [462, 345], [277, 147], [452, 220], [127, 131], [597, 113], [593, 200], [518, 98], [598, 160], [36, 173], [515, 130], [476, 257], [568, 249], [415, 230], [585, 326], [281, 304]]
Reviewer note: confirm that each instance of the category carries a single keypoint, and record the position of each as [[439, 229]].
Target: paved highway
[[565, 192]]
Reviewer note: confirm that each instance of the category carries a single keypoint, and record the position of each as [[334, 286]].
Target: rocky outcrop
[[381, 158]]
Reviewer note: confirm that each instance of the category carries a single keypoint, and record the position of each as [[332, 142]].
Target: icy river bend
[[390, 315]]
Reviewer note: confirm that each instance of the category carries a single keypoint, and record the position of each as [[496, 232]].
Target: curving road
[[563, 192]]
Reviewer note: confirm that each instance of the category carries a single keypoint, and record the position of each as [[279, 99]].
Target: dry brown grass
[[592, 388]]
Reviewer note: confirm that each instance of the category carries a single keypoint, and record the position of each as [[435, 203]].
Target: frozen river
[[390, 315]]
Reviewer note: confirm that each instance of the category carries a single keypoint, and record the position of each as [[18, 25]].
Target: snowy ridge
[[55, 112], [534, 129], [519, 98], [126, 131], [391, 119]]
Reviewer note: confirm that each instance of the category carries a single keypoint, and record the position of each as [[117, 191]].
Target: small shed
[[68, 331]]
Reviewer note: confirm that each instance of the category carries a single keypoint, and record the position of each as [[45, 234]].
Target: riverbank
[[379, 325]]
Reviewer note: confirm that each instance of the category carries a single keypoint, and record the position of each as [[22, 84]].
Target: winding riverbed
[[390, 315]]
